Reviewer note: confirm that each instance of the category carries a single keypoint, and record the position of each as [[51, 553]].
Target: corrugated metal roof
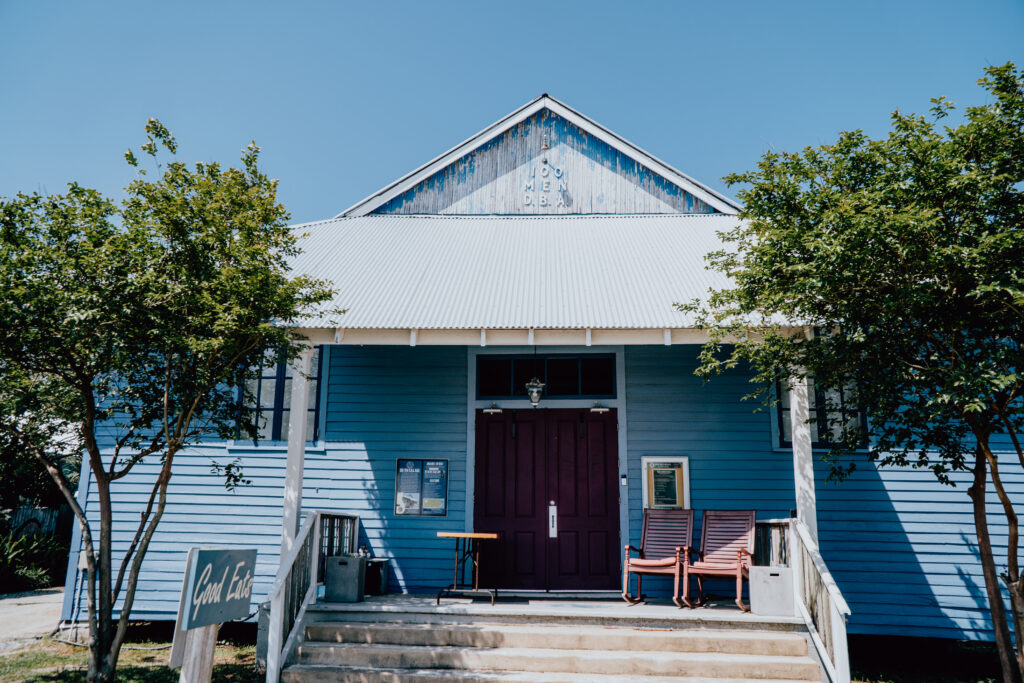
[[513, 272]]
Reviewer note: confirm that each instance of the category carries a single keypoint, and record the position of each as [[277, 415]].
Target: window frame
[[545, 357], [819, 407], [277, 410]]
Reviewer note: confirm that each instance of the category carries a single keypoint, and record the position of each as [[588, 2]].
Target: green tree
[[127, 330], [902, 260]]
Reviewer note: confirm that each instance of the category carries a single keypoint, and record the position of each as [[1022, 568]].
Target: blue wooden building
[[543, 247]]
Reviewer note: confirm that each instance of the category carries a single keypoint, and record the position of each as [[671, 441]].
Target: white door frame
[[619, 403]]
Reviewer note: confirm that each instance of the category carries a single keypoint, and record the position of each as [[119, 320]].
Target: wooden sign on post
[[217, 588]]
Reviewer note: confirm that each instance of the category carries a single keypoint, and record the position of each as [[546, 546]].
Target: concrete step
[[321, 673], [554, 661], [558, 637], [597, 614]]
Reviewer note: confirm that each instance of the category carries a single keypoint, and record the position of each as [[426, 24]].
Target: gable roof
[[702, 192]]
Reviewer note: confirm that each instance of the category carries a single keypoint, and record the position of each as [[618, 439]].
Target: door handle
[[552, 520]]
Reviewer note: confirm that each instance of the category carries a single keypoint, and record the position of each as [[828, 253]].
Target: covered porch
[[387, 401]]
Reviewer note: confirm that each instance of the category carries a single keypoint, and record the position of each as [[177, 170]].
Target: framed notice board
[[666, 482], [421, 487]]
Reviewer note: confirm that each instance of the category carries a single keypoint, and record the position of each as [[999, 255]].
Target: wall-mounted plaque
[[666, 482], [421, 487]]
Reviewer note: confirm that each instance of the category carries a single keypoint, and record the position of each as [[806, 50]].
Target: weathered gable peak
[[544, 158]]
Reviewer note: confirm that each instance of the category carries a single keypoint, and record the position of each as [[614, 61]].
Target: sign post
[[217, 588]]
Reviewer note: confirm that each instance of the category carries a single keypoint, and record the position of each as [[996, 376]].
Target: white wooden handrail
[[298, 578], [819, 602], [819, 563], [286, 564]]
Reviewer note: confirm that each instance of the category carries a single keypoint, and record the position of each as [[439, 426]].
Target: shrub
[[30, 562]]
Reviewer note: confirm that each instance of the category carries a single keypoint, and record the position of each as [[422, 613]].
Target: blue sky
[[345, 97]]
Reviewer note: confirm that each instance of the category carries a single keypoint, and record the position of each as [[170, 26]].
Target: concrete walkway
[[27, 615]]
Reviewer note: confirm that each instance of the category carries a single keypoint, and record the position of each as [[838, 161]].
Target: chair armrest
[[743, 556], [688, 551], [636, 550]]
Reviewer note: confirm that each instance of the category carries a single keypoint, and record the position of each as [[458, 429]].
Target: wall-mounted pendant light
[[534, 388]]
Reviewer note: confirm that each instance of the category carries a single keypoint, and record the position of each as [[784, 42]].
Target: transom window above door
[[589, 375]]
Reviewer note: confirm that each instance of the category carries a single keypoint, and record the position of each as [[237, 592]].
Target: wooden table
[[467, 547]]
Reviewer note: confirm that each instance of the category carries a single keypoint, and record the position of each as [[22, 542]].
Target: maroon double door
[[547, 483]]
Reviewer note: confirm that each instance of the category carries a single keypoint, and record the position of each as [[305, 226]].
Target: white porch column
[[296, 449], [803, 457]]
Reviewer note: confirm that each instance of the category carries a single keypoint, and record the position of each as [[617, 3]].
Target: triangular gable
[[544, 159]]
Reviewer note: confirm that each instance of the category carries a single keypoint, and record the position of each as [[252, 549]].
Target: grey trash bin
[[771, 591], [345, 578]]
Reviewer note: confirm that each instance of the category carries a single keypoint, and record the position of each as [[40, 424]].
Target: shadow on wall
[[896, 541], [386, 403]]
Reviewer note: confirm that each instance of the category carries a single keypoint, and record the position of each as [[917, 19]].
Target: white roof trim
[[697, 189]]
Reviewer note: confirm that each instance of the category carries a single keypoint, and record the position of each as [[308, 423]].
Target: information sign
[[421, 487]]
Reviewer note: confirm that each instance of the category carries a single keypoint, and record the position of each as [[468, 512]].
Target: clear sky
[[345, 97]]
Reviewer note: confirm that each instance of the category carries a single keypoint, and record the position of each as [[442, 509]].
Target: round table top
[[466, 534]]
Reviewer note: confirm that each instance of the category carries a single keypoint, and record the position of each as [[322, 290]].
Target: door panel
[[588, 497], [524, 460], [510, 501]]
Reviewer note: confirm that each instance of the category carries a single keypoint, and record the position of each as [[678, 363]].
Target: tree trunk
[[1004, 643], [1017, 610]]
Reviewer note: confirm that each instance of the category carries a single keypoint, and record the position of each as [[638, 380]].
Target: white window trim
[[776, 435]]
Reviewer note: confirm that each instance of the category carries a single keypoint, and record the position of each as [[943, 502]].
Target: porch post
[[803, 458], [296, 449]]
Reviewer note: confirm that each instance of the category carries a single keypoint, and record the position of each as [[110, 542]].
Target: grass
[[47, 660]]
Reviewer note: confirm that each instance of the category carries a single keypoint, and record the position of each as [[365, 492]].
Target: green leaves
[[907, 254], [142, 319]]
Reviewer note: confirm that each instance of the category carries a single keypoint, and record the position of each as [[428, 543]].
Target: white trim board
[[545, 101]]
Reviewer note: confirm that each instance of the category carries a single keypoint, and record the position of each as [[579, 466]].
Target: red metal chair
[[726, 550], [664, 542]]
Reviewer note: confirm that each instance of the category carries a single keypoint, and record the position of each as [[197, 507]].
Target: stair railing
[[820, 602], [322, 535]]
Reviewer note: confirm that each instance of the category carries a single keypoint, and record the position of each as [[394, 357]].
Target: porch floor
[[654, 613]]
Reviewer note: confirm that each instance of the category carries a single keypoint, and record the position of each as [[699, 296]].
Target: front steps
[[546, 645]]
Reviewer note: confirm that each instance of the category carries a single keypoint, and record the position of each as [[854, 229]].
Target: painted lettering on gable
[[545, 192]]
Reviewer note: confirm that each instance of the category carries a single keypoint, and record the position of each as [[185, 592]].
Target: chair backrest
[[664, 531], [726, 531]]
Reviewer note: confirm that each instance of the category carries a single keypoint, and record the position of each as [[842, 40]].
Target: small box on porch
[[771, 591], [345, 578]]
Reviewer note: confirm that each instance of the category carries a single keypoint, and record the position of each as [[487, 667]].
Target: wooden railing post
[[314, 565], [275, 637], [841, 654], [796, 565]]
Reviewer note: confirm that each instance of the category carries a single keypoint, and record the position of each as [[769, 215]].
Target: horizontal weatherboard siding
[[382, 403], [901, 546]]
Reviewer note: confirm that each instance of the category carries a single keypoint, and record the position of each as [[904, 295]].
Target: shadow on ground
[[235, 673], [894, 659]]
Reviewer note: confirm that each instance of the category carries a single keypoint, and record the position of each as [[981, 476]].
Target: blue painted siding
[[902, 549], [385, 403], [544, 165], [382, 403], [199, 512], [899, 544], [670, 411]]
